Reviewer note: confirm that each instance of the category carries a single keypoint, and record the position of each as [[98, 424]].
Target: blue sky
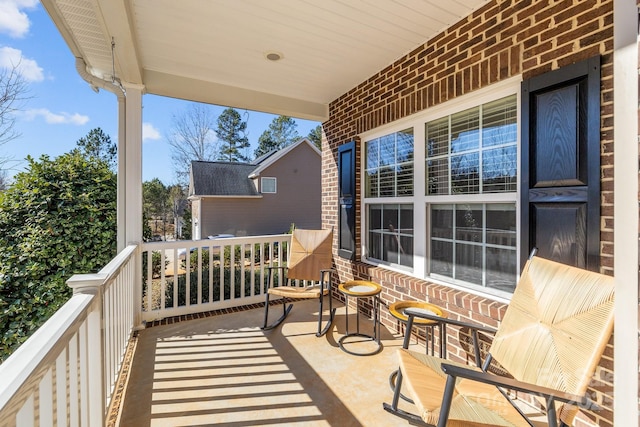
[[62, 108]]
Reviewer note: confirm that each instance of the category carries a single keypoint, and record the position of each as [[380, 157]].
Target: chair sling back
[[550, 341], [310, 261]]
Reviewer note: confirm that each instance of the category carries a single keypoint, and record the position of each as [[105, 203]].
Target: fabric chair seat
[[298, 292], [474, 404]]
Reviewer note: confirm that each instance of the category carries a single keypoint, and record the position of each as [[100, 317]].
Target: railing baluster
[[61, 388], [45, 408]]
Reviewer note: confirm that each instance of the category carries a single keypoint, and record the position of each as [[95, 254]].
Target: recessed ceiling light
[[273, 56]]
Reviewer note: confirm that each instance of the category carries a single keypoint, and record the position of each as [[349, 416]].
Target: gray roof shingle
[[222, 179]]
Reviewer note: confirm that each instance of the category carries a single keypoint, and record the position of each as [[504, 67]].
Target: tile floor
[[225, 371]]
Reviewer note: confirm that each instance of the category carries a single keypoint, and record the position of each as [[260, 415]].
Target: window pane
[[484, 243], [375, 245], [406, 251], [387, 150], [372, 154], [465, 133], [371, 183], [375, 217], [437, 174], [469, 263], [390, 218], [405, 146], [405, 179], [465, 177], [406, 219], [501, 269], [390, 248], [442, 258], [391, 233], [437, 137], [499, 170], [469, 223], [463, 139], [387, 182], [389, 165], [268, 185], [499, 122], [501, 225], [442, 221]]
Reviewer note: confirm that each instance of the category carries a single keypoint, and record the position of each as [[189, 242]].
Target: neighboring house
[[264, 197]]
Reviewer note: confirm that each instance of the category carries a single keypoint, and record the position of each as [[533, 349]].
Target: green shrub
[[57, 219]]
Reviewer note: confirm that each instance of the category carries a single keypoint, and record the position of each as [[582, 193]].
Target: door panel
[[561, 231], [560, 191], [557, 120]]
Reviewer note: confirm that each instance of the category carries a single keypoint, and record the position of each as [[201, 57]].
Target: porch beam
[[625, 164]]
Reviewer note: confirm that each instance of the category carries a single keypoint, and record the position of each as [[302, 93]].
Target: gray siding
[[298, 200]]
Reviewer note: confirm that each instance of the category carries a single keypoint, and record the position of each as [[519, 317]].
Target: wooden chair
[[550, 341], [308, 275]]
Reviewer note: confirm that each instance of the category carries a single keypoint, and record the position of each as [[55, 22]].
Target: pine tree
[[282, 132], [232, 134]]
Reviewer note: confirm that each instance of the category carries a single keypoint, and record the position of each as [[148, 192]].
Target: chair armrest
[[513, 384], [411, 314]]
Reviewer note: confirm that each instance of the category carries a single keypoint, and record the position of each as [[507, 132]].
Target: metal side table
[[361, 289]]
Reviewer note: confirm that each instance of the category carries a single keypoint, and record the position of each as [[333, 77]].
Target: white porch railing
[[186, 277], [66, 372]]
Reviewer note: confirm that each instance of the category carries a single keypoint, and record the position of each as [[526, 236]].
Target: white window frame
[[421, 201], [268, 179]]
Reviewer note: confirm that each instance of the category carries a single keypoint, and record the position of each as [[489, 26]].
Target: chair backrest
[[557, 326], [309, 253]]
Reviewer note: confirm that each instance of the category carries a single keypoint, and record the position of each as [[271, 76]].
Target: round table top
[[397, 310], [360, 288]]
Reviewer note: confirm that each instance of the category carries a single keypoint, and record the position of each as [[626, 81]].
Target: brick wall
[[500, 40]]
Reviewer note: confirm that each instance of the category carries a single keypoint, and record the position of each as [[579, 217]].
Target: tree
[[4, 181], [13, 91], [315, 136], [155, 197], [58, 218], [192, 137], [281, 132], [98, 144], [178, 204], [232, 134]]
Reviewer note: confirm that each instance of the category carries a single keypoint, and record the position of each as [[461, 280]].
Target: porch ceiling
[[215, 51]]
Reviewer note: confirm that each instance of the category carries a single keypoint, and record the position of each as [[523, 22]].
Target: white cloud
[[149, 132], [13, 20], [29, 68], [56, 118]]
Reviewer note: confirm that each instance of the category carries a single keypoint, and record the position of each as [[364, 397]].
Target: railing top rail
[[114, 266], [220, 241], [42, 347]]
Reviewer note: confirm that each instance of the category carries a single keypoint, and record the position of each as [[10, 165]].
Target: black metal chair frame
[[550, 396], [325, 281]]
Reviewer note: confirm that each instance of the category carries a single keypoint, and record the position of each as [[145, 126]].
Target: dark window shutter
[[560, 193], [347, 199]]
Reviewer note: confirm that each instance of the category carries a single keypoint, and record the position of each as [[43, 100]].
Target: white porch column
[[122, 173], [133, 184], [625, 163], [133, 164]]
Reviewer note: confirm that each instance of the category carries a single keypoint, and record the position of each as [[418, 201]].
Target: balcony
[[201, 359]]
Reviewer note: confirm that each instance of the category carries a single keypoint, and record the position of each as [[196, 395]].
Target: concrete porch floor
[[223, 370]]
